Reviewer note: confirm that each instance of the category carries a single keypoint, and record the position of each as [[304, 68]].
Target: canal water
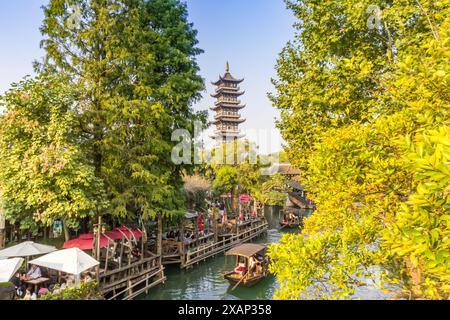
[[205, 281]]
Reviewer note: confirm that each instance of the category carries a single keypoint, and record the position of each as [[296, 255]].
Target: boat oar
[[240, 281]]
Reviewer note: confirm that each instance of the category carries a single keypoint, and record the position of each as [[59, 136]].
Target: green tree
[[226, 180], [272, 190], [134, 62], [235, 164], [45, 174]]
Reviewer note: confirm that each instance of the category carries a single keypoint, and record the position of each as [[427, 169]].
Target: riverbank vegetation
[[239, 165], [363, 92]]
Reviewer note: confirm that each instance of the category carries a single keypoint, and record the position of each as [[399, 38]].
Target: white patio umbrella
[[26, 249], [73, 261], [9, 267]]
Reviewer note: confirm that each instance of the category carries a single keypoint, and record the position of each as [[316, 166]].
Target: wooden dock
[[204, 252], [175, 252]]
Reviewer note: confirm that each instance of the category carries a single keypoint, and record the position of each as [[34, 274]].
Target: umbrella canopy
[[247, 250], [73, 261], [85, 244], [129, 233], [245, 198], [9, 267], [114, 235], [26, 249]]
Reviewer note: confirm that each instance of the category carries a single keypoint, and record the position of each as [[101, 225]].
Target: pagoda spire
[[227, 117]]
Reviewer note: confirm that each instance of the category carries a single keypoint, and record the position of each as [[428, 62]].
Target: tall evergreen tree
[[135, 62]]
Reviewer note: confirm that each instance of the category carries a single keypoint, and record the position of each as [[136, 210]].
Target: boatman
[[252, 264]]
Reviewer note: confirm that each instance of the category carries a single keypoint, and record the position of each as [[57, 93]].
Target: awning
[[247, 250], [245, 198], [73, 261], [86, 241], [85, 244], [9, 267], [128, 232], [26, 249], [114, 235]]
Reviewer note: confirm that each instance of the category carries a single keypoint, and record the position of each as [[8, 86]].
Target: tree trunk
[[45, 233], [66, 231], [2, 238], [2, 229]]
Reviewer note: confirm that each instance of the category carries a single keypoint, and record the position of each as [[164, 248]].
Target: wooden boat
[[291, 219], [241, 275], [290, 224]]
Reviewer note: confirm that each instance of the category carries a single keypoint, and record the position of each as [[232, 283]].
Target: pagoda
[[227, 106]]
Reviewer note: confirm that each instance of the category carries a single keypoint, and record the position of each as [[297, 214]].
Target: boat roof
[[247, 250]]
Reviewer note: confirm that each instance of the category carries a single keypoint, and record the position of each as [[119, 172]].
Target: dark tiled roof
[[295, 185], [227, 77], [287, 169]]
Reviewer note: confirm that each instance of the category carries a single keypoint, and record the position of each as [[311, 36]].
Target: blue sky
[[247, 33]]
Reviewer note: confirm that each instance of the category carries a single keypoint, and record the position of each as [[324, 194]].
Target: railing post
[[159, 239]]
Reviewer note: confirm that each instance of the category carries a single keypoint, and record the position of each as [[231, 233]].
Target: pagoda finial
[[228, 67]]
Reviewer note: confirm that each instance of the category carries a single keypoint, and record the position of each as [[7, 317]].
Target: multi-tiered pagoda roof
[[227, 106]]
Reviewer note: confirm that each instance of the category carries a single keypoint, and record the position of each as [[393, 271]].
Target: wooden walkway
[[129, 281], [206, 251]]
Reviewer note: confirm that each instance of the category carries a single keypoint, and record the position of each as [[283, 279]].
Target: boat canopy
[[247, 250]]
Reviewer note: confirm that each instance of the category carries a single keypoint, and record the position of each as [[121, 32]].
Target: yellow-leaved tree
[[363, 92]]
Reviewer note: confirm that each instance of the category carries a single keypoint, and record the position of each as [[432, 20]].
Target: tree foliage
[[354, 102], [128, 78], [45, 174]]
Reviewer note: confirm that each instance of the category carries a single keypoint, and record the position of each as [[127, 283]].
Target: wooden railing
[[127, 277], [206, 251]]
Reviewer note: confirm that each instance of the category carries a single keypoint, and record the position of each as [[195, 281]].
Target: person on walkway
[[222, 208]]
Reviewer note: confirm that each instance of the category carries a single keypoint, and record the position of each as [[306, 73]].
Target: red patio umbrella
[[85, 243], [245, 198], [114, 235], [129, 233], [86, 236]]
